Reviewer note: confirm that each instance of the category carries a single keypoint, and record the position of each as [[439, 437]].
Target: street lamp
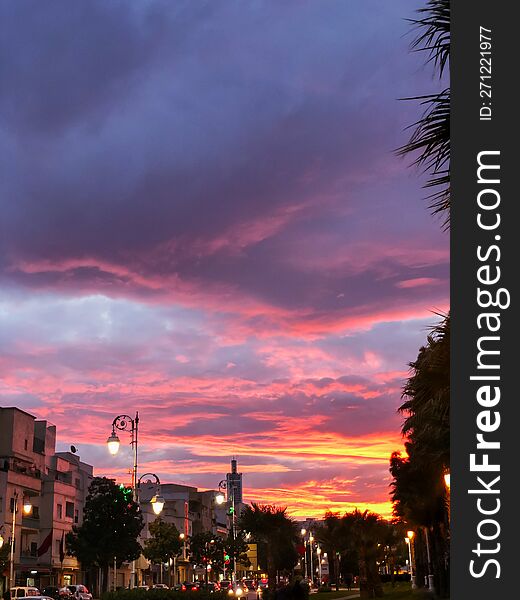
[[409, 538], [311, 539], [219, 499], [27, 507], [126, 423], [157, 500]]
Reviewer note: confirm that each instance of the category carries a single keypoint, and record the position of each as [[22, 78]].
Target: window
[[59, 509], [69, 509], [76, 516], [35, 512], [25, 444]]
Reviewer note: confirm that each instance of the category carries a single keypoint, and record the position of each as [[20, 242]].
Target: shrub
[[162, 594]]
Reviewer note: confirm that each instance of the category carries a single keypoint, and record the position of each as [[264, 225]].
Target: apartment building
[[43, 493]]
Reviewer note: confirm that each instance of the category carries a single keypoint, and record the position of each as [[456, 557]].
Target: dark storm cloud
[[198, 140]]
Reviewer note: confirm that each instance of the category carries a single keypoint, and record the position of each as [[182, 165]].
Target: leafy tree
[[111, 525], [208, 549], [276, 535], [237, 549], [164, 542]]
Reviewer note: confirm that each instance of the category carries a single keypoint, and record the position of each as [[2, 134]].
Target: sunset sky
[[202, 218]]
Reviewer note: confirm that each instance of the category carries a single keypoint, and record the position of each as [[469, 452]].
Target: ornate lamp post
[[157, 500], [27, 508], [126, 423], [220, 499]]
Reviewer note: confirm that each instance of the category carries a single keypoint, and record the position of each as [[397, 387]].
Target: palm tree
[[330, 535], [366, 531], [427, 393], [430, 139], [271, 527], [418, 490]]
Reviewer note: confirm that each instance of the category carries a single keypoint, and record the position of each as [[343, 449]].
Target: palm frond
[[434, 33]]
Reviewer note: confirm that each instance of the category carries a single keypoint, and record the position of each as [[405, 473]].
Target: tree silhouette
[[111, 525]]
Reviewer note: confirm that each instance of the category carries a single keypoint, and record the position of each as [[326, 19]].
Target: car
[[160, 586], [56, 593], [190, 586], [78, 592], [24, 592], [211, 587], [236, 591], [250, 583], [226, 584]]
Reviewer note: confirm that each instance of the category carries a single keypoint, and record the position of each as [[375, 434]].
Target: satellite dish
[[73, 449]]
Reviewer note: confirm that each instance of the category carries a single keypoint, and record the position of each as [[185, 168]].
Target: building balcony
[[28, 558], [30, 522]]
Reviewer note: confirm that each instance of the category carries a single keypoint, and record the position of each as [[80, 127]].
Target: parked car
[[56, 593], [210, 587], [160, 586], [192, 586], [78, 592], [24, 592]]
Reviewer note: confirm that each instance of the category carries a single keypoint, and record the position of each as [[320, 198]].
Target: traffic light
[[231, 510]]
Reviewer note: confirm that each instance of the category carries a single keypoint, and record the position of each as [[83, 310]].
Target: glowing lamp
[[220, 498], [182, 536], [410, 534], [113, 444], [157, 503], [1, 541], [303, 531], [27, 506], [447, 480]]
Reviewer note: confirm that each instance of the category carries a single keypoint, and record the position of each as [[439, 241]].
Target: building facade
[[42, 493]]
